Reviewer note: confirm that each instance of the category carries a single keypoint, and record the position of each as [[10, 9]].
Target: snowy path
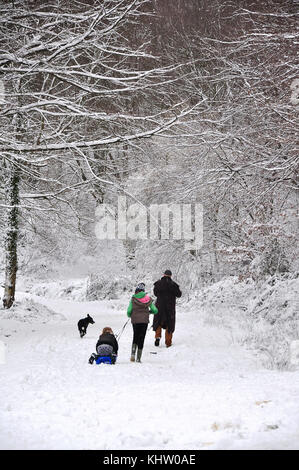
[[211, 394]]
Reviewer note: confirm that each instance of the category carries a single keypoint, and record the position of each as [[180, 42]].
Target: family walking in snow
[[140, 307]]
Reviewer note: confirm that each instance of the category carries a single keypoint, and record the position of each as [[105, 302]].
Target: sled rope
[[122, 330]]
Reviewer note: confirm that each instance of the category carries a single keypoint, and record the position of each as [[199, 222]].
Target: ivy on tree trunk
[[11, 238]]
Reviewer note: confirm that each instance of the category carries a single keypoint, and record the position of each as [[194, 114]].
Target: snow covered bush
[[262, 316], [106, 287]]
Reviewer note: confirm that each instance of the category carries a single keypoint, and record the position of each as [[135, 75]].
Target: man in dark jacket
[[166, 291]]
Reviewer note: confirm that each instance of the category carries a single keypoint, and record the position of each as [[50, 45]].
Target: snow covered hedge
[[262, 316], [101, 287]]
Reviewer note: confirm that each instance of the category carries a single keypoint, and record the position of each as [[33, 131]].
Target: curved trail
[[202, 393]]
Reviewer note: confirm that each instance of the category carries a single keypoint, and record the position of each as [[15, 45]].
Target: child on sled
[[106, 348]]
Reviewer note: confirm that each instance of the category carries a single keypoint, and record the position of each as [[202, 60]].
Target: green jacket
[[138, 303]]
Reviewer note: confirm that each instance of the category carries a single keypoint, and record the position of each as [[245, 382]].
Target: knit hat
[[140, 287], [168, 272]]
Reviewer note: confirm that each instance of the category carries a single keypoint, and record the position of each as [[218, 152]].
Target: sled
[[105, 359]]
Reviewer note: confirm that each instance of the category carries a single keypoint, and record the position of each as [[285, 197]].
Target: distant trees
[[238, 155]]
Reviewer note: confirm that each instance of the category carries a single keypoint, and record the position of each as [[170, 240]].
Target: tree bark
[[11, 238]]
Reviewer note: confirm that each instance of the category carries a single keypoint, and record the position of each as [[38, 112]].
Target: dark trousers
[[139, 333]]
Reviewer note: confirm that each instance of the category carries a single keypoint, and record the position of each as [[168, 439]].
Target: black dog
[[83, 324]]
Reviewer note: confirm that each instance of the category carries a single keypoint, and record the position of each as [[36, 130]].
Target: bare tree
[[79, 76]]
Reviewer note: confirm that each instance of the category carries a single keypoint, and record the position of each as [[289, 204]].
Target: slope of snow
[[205, 392]]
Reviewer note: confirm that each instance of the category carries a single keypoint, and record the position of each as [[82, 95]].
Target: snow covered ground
[[205, 392]]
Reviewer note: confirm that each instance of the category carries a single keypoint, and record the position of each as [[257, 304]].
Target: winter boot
[[139, 354], [92, 358], [133, 352]]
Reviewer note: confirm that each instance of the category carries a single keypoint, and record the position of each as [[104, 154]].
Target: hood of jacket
[[142, 297]]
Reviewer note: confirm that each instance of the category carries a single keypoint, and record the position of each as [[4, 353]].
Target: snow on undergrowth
[[101, 287], [262, 316], [71, 289], [29, 311]]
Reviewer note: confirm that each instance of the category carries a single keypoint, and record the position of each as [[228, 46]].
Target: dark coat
[[110, 339], [166, 291]]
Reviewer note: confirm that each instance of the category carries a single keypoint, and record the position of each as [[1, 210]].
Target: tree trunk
[[11, 238]]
